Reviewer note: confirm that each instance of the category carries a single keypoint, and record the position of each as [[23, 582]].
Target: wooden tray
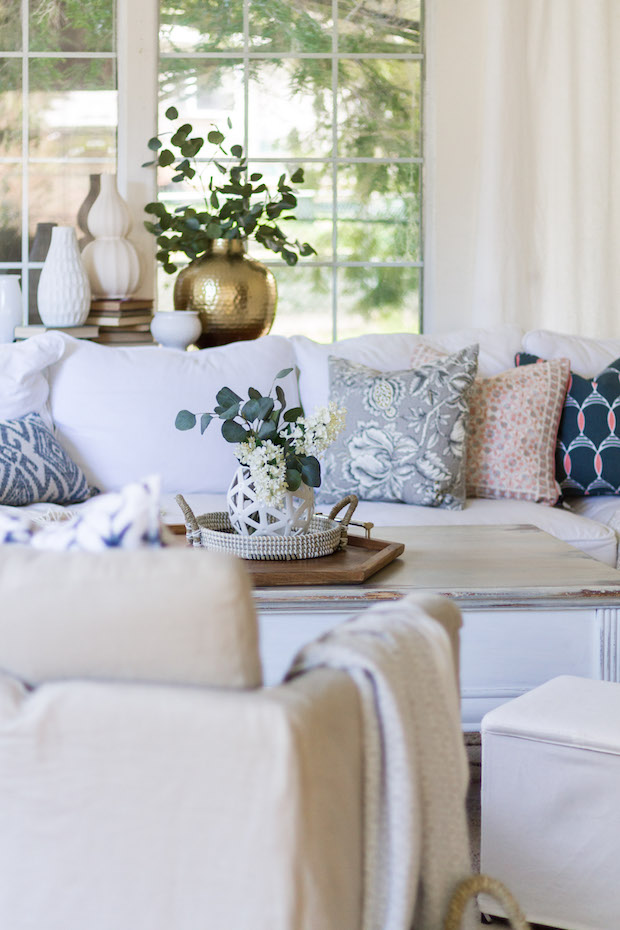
[[353, 565]]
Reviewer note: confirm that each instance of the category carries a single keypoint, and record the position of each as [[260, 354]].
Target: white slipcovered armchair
[[147, 780]]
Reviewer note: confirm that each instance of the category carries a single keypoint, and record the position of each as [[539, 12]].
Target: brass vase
[[234, 295]]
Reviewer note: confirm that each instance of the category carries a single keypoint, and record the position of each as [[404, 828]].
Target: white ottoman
[[551, 803]]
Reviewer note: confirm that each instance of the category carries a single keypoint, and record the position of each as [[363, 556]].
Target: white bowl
[[176, 329]]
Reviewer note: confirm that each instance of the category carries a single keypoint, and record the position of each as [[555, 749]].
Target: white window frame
[[138, 74]]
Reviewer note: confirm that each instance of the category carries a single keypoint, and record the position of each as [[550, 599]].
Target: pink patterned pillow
[[513, 425]]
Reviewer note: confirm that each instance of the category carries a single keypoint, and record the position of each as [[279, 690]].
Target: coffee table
[[533, 608]]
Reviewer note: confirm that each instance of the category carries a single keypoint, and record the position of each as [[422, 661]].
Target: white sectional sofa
[[113, 410]]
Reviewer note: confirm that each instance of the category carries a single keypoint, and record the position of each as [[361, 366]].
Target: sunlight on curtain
[[548, 243], [536, 195]]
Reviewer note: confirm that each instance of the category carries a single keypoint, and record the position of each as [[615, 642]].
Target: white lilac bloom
[[267, 468], [312, 435]]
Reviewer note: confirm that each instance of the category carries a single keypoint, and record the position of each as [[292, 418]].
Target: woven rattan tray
[[213, 531]]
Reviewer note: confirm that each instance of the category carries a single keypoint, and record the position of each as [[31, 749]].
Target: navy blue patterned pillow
[[34, 467], [587, 456]]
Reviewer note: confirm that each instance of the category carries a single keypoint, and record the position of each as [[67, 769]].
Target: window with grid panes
[[333, 86], [58, 121]]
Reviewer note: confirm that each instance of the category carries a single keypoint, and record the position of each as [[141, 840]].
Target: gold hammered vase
[[234, 295]]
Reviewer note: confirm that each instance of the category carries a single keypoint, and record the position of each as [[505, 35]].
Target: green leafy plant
[[240, 207], [279, 446]]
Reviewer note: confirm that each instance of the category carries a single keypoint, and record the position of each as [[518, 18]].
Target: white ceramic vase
[[110, 259], [10, 306], [176, 329], [63, 295], [251, 517]]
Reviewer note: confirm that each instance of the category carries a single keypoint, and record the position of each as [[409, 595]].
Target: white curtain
[[535, 180]]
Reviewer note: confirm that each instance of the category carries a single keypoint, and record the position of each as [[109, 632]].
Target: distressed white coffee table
[[533, 608]]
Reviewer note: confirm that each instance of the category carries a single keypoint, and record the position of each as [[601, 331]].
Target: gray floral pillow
[[405, 432]]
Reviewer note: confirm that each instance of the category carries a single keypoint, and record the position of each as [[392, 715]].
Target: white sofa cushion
[[588, 535], [587, 357], [176, 616], [23, 385], [392, 351], [114, 408]]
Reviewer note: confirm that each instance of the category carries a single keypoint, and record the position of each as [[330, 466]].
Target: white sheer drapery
[[535, 182]]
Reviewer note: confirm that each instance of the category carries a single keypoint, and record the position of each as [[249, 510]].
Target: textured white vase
[[176, 329], [252, 517], [63, 295], [10, 306], [110, 259]]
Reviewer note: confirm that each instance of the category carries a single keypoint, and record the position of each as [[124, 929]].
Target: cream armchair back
[[147, 780]]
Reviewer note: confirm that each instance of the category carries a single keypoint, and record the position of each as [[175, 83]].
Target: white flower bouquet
[[278, 446]]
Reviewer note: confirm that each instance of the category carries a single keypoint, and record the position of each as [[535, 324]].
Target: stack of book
[[122, 322], [79, 332]]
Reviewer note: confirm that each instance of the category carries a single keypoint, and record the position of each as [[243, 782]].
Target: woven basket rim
[[323, 538]]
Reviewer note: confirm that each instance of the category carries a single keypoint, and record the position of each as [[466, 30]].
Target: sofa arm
[[155, 807]]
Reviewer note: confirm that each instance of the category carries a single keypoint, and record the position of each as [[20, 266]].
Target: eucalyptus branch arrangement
[[279, 446], [240, 207]]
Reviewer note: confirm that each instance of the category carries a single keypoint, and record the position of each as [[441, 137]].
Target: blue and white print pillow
[[34, 468], [405, 435]]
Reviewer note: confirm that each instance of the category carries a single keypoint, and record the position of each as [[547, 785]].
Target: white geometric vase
[[251, 517], [63, 295], [110, 259]]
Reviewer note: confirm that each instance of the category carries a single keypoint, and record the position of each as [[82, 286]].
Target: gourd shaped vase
[[63, 295], [110, 259]]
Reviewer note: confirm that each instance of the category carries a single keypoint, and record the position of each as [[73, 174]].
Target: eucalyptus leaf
[[251, 410], [185, 419], [205, 419], [227, 397], [265, 406], [233, 431], [267, 430], [165, 158], [284, 373], [293, 414], [229, 413], [254, 394], [310, 471], [293, 479]]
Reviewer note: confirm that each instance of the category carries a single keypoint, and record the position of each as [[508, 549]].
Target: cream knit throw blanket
[[415, 830]]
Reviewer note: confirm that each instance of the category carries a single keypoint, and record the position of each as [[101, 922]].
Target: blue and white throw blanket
[[125, 519]]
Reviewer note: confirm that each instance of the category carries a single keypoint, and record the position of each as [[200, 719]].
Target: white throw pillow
[[588, 357], [23, 385], [392, 352], [114, 408]]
